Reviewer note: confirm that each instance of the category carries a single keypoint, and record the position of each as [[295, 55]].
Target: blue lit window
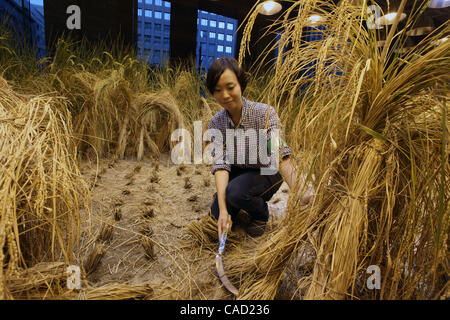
[[154, 29], [212, 30]]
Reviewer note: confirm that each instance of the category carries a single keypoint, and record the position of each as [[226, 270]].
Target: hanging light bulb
[[389, 18], [315, 19], [439, 3], [269, 8]]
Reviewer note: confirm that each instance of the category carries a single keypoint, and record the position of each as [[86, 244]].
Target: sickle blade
[[223, 278]]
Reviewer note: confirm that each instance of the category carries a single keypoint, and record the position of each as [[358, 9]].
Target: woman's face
[[228, 92]]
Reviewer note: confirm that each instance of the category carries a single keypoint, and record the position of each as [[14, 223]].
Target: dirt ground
[[154, 199]]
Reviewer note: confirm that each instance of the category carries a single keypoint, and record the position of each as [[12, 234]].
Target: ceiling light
[[315, 18], [439, 4], [389, 18], [269, 8]]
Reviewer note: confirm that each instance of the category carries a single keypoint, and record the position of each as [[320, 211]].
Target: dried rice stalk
[[94, 258]]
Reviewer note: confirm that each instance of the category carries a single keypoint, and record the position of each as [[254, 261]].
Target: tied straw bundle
[[376, 126], [41, 188]]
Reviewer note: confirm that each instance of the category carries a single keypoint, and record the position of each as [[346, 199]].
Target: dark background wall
[[100, 19]]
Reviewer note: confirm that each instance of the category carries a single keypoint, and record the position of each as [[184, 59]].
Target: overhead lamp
[[441, 41], [315, 19], [389, 18], [269, 8], [439, 4]]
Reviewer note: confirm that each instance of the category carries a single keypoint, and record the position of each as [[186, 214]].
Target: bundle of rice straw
[[376, 125], [41, 188]]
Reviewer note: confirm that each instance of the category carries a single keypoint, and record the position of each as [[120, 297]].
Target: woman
[[243, 184]]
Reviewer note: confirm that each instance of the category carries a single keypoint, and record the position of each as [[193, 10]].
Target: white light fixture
[[389, 18], [269, 8], [439, 4], [315, 19]]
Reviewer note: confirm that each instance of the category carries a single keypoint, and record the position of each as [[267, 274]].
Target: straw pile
[[377, 137], [41, 187]]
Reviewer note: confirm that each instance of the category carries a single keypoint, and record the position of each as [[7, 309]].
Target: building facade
[[153, 31], [26, 21], [215, 34], [216, 37]]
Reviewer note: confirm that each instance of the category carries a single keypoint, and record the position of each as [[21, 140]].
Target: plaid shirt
[[254, 116]]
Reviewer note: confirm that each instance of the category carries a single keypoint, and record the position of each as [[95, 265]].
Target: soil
[[136, 201]]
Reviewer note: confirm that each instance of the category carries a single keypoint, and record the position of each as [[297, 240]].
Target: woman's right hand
[[222, 222]]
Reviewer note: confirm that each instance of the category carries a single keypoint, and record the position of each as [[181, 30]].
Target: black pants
[[248, 190]]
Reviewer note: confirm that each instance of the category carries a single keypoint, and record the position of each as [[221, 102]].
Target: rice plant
[[374, 136]]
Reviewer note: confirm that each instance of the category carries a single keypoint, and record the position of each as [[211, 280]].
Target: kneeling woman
[[244, 184]]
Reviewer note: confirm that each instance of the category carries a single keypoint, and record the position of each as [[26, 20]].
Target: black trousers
[[248, 190]]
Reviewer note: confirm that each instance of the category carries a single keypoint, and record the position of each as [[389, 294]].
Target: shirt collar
[[244, 114]]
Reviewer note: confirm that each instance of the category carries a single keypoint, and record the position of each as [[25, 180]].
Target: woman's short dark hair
[[218, 67]]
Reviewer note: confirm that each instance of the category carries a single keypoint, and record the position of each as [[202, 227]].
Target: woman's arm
[[221, 177], [290, 175]]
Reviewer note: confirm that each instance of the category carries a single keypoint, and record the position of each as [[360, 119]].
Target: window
[[148, 13], [166, 28], [158, 14], [158, 2], [140, 12], [212, 31], [166, 41], [140, 1], [158, 27], [157, 41], [148, 1], [166, 16], [166, 4]]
